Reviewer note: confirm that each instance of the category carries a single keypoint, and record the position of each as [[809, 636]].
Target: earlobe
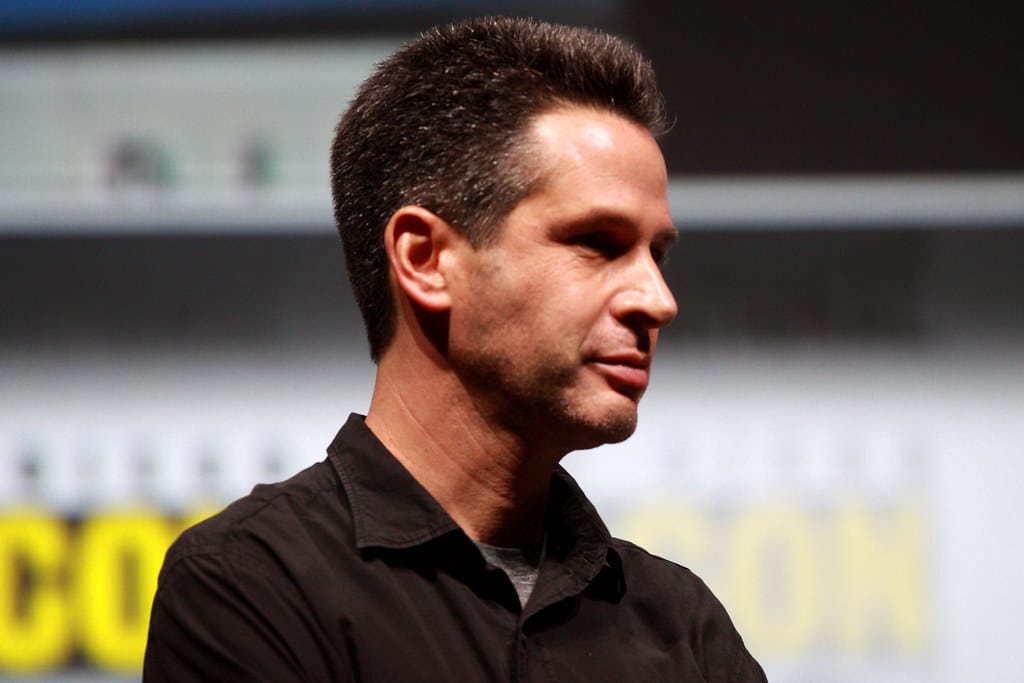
[[415, 240]]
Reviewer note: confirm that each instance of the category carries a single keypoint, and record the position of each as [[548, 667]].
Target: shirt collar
[[580, 543], [390, 509]]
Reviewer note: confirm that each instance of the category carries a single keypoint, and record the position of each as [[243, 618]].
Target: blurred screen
[[832, 438]]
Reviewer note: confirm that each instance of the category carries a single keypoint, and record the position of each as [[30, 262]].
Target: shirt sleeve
[[216, 619]]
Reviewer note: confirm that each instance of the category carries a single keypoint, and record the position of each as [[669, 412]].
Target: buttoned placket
[[559, 583]]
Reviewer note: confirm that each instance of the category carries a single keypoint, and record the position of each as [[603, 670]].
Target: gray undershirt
[[521, 565]]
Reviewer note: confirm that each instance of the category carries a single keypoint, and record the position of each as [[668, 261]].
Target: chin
[[619, 430], [612, 426]]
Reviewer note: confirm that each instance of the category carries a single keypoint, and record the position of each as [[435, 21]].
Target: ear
[[416, 240]]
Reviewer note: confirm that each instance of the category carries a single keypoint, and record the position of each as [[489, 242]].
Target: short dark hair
[[443, 122]]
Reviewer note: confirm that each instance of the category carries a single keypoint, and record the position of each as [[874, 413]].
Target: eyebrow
[[667, 236], [663, 243]]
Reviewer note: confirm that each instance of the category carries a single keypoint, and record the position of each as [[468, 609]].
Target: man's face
[[557, 319]]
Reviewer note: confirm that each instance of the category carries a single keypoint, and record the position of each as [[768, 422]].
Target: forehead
[[588, 125], [594, 161], [575, 139]]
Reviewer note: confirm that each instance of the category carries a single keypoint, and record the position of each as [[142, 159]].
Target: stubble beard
[[545, 403]]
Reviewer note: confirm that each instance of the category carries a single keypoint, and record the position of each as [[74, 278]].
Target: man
[[503, 207]]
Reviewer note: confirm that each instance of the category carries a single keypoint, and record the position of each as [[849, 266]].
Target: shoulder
[[680, 601], [234, 597], [268, 523], [645, 571]]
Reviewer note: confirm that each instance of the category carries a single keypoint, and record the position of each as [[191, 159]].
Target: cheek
[[552, 310]]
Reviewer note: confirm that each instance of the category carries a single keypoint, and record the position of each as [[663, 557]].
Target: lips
[[628, 373]]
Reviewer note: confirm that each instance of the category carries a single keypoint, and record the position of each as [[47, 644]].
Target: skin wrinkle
[[567, 325], [546, 335], [494, 493]]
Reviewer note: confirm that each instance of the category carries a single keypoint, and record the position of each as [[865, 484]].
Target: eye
[[600, 242], [661, 247], [660, 255]]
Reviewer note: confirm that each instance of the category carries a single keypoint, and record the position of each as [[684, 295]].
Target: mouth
[[627, 373]]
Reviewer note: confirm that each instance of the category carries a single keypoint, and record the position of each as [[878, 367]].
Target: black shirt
[[351, 571]]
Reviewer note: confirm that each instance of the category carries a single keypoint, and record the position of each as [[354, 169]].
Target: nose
[[645, 296]]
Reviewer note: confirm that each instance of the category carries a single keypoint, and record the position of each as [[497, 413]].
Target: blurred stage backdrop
[[834, 438]]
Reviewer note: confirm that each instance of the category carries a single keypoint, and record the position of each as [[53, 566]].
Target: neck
[[492, 483]]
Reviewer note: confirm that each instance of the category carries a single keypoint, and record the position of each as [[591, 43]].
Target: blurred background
[[834, 438]]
